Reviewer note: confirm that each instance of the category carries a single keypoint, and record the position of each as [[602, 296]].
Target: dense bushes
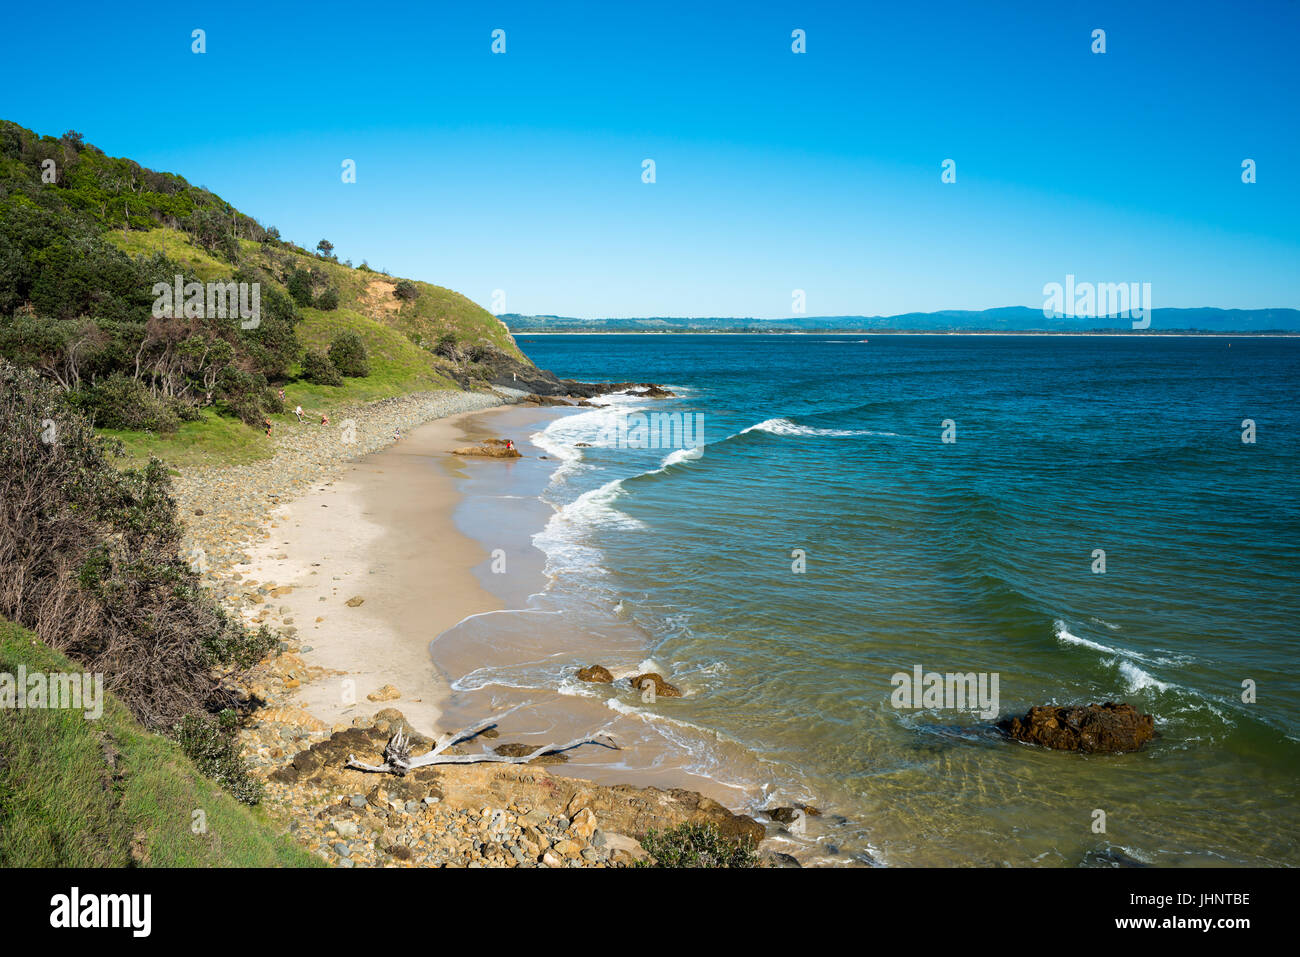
[[122, 403], [88, 560], [210, 744], [317, 368], [79, 310], [348, 353], [406, 289]]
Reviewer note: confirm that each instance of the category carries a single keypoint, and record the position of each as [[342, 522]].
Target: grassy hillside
[[107, 793], [84, 238], [399, 336]]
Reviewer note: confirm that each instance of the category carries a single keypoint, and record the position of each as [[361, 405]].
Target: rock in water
[[1093, 729], [662, 688], [595, 673]]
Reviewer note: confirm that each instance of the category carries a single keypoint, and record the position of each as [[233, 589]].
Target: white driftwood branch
[[398, 760]]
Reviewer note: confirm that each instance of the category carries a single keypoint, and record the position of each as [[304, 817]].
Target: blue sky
[[775, 171]]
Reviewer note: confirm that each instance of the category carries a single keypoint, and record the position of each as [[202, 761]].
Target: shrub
[[406, 289], [246, 395], [299, 286], [120, 402], [697, 845], [447, 347], [328, 300], [89, 561], [317, 368], [348, 353], [210, 744]]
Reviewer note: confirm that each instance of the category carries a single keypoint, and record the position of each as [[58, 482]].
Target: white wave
[[1064, 637], [786, 427], [678, 456], [1125, 661], [1139, 680], [563, 540], [564, 436]]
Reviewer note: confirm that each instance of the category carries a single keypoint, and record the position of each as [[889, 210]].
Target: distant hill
[[1004, 319]]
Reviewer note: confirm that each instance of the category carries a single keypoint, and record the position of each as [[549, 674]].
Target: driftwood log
[[398, 759]]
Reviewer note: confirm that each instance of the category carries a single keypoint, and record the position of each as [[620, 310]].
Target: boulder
[[1108, 728], [596, 674], [662, 688]]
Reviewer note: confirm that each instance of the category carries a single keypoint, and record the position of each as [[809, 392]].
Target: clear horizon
[[521, 172]]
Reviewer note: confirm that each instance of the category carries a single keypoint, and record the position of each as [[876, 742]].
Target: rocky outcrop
[[1108, 728], [480, 815], [662, 688], [595, 673], [488, 451]]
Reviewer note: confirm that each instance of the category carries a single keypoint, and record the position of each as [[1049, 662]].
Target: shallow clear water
[[976, 555]]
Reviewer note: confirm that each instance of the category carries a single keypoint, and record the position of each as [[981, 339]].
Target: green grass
[[213, 440], [107, 793]]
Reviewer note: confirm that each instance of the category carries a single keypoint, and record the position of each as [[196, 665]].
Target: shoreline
[[389, 536], [281, 563]]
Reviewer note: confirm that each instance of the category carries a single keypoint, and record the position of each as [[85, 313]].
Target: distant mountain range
[[1021, 319]]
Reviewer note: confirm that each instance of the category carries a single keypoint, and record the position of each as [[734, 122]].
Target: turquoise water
[[974, 555]]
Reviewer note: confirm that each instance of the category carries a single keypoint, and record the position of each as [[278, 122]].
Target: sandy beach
[[381, 532]]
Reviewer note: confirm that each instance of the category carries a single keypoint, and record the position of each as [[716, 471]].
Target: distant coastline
[[1146, 333], [1001, 321]]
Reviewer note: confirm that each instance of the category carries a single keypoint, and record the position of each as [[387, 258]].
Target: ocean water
[[824, 537]]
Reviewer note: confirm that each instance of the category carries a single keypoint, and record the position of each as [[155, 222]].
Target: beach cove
[[346, 572]]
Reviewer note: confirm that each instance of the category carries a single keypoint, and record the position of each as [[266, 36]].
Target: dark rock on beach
[[1108, 728], [596, 674]]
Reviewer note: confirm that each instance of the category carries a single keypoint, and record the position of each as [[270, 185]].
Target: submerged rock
[[787, 815], [1108, 728], [595, 673]]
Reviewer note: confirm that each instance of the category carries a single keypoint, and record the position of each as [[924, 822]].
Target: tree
[[348, 353], [299, 286], [328, 300], [317, 368], [325, 247]]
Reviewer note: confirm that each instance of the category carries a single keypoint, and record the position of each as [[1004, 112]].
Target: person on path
[[298, 413]]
